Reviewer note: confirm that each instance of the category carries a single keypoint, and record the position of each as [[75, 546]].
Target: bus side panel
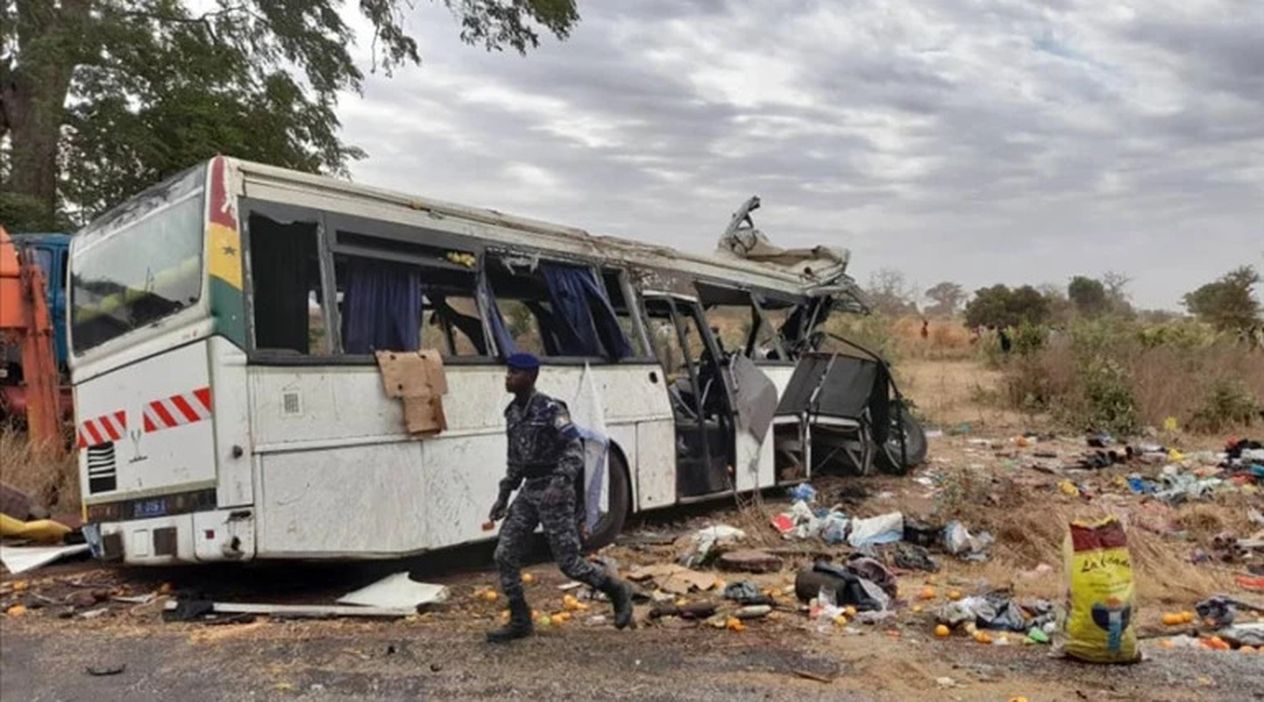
[[232, 423], [146, 429], [780, 376], [461, 480], [359, 501], [656, 463]]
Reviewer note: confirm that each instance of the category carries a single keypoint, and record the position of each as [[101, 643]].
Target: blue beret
[[523, 361]]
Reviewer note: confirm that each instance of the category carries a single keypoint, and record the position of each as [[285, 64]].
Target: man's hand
[[498, 510], [558, 491]]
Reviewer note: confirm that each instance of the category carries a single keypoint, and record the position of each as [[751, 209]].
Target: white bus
[[229, 405]]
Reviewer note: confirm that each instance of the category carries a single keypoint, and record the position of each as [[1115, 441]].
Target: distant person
[[925, 329], [1006, 344]]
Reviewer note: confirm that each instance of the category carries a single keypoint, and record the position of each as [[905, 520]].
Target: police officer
[[546, 452]]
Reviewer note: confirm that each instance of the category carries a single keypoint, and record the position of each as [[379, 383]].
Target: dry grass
[[1030, 528], [945, 339], [950, 392], [51, 479], [1172, 380]]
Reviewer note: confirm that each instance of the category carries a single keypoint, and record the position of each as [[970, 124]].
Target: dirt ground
[[985, 478]]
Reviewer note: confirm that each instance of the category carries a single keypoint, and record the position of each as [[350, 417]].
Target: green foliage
[[999, 306], [105, 97], [1228, 304], [1227, 404], [1029, 338], [1110, 404], [1182, 334], [873, 332], [1088, 296], [24, 213]]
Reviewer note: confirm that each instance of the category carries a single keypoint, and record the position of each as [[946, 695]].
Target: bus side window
[[285, 287], [404, 306], [617, 291], [557, 309]]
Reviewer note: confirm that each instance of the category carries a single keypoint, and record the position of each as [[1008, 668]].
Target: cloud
[[986, 142]]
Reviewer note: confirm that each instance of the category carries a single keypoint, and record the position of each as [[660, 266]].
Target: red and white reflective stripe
[[177, 410], [103, 429]]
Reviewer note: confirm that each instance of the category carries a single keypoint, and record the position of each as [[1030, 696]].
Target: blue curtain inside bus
[[580, 301], [505, 345], [381, 307]]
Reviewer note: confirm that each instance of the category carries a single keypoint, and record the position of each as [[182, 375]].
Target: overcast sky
[[979, 142]]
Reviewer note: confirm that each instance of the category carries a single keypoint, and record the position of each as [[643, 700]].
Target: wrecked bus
[[230, 405]]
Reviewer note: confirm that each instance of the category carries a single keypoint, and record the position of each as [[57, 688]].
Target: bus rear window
[[127, 277]]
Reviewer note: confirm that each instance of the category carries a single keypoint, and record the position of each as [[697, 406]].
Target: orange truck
[[25, 323]]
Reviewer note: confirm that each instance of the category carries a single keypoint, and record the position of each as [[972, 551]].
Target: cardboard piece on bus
[[417, 378]]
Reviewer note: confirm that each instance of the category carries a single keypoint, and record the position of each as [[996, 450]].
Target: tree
[[1088, 295], [889, 293], [1228, 304], [1116, 285], [999, 306], [948, 298], [98, 97], [1061, 309]]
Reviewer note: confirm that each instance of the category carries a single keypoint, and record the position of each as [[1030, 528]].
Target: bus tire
[[915, 448], [611, 523]]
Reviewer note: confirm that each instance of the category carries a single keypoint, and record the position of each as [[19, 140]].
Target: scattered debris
[[673, 578], [803, 492], [1100, 626], [744, 592], [277, 610], [704, 542], [958, 541], [753, 611], [19, 559], [103, 670], [41, 530], [695, 610], [750, 561], [883, 529], [913, 557], [396, 591]]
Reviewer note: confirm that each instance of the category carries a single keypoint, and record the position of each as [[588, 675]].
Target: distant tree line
[[1228, 304]]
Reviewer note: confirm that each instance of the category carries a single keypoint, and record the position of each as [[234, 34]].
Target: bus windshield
[[139, 263]]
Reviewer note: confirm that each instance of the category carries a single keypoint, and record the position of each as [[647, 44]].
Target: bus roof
[[264, 182]]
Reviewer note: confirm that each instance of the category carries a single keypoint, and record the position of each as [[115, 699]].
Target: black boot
[[519, 625], [620, 594]]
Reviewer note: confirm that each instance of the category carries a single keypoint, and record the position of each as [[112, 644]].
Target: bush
[[1226, 404], [1109, 404], [1118, 376]]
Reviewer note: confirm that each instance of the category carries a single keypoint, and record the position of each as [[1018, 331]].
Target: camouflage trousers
[[555, 509]]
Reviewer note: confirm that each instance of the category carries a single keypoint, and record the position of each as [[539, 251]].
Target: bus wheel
[[915, 446], [610, 523]]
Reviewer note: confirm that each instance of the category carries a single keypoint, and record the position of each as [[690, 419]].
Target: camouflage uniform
[[546, 452]]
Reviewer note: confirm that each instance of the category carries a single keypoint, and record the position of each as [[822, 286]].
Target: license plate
[[149, 508]]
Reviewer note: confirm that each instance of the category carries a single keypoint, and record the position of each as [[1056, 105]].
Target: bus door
[[701, 400]]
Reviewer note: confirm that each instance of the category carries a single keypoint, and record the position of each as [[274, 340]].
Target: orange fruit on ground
[[954, 594], [942, 630], [527, 578], [927, 593], [1173, 618]]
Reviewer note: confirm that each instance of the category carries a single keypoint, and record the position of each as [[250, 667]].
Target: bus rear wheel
[[610, 523]]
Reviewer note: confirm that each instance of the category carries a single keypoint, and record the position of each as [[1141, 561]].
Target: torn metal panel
[[396, 591], [301, 610], [19, 559], [819, 264]]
